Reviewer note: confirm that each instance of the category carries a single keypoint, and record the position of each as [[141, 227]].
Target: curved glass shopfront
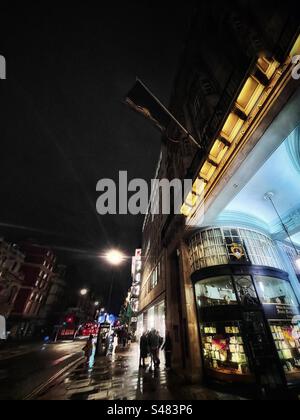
[[219, 246], [248, 313]]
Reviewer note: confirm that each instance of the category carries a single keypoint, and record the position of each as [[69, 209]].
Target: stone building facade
[[235, 94]]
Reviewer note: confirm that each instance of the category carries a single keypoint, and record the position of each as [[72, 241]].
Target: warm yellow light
[[232, 127], [268, 66], [249, 95], [186, 210], [218, 151], [296, 47], [207, 170], [114, 257]]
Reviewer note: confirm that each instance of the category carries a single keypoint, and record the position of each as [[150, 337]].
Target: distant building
[[55, 304], [38, 272], [11, 278], [130, 310]]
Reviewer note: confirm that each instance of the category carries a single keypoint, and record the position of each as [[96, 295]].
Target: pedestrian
[[154, 342], [168, 347], [144, 349], [129, 339], [89, 348], [124, 338]]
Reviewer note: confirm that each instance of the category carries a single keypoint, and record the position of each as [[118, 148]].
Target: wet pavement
[[118, 377], [28, 367]]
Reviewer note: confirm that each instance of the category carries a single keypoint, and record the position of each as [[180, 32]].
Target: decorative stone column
[[194, 371]]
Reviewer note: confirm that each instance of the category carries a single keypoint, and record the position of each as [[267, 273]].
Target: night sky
[[64, 127]]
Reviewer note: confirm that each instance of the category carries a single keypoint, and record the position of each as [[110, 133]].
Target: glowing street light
[[97, 303], [84, 292], [114, 257]]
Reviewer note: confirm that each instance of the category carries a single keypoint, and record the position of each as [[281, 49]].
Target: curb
[[46, 385]]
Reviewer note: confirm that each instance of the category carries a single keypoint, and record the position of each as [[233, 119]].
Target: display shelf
[[287, 341], [224, 349]]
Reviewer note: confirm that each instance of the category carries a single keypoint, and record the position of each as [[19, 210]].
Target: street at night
[[30, 368], [150, 204]]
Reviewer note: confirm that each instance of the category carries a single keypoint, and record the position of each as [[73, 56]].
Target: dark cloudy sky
[[64, 127]]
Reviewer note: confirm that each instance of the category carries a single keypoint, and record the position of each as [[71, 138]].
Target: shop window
[[217, 291], [260, 249], [273, 291], [223, 348], [246, 291], [287, 340], [223, 246], [154, 279], [208, 249], [292, 255]]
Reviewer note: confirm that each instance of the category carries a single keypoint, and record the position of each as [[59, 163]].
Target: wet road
[[118, 377], [21, 375]]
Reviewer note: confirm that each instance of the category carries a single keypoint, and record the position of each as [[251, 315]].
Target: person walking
[[89, 348], [154, 341], [168, 347], [144, 350]]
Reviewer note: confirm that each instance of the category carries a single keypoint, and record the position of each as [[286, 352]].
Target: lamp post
[[269, 196], [115, 258]]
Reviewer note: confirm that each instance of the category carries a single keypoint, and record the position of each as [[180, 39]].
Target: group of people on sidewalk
[[150, 345]]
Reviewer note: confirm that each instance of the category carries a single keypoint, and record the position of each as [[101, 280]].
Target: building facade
[[55, 303], [226, 271], [11, 278], [38, 271]]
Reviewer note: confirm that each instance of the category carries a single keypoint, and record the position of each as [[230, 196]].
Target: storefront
[[248, 313], [153, 318]]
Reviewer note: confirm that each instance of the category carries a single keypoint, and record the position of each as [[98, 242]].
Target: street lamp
[[83, 292], [269, 196], [97, 303], [114, 257]]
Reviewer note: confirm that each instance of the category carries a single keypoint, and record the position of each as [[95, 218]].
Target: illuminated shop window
[[287, 340], [273, 291], [208, 249], [246, 291], [292, 256], [220, 246], [216, 291], [223, 348], [154, 279], [261, 249]]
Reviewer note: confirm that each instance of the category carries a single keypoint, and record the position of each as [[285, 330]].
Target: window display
[[246, 290], [216, 291], [287, 340], [273, 291], [223, 348]]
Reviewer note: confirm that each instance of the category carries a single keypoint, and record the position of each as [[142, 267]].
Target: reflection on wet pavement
[[118, 377]]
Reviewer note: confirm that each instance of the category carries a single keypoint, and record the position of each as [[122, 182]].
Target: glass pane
[[223, 348], [246, 290], [216, 291], [275, 291], [287, 340]]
